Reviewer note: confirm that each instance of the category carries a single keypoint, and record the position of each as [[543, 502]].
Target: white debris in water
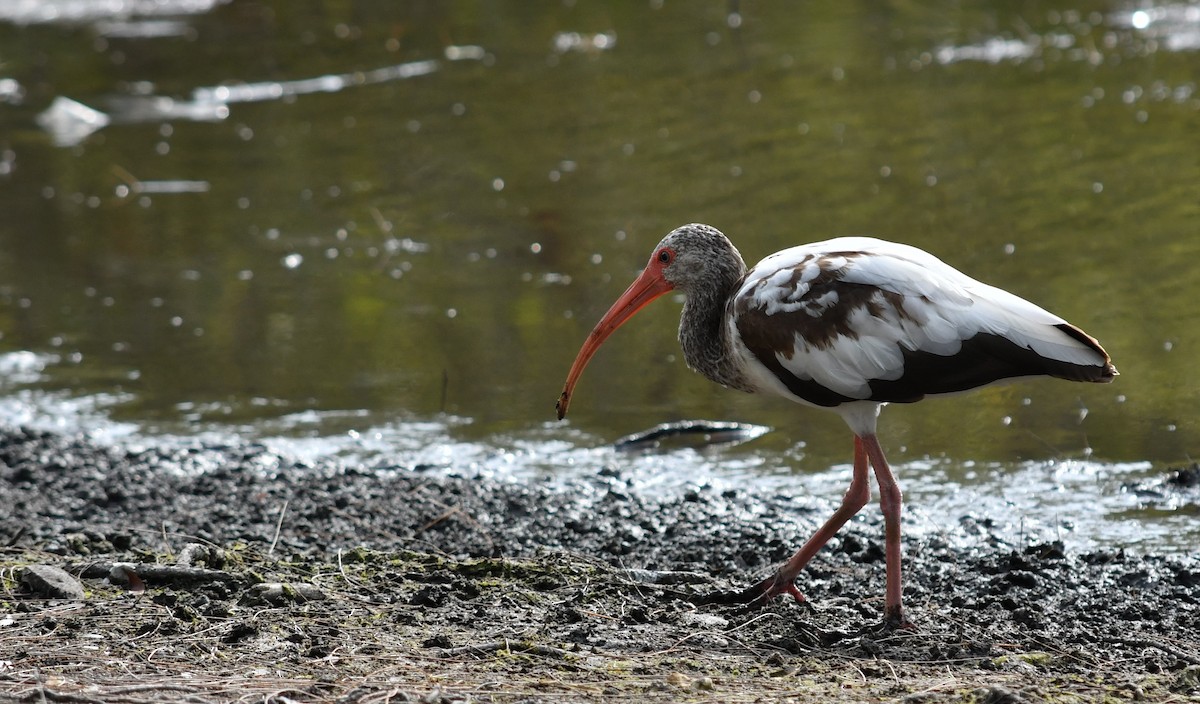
[[69, 122]]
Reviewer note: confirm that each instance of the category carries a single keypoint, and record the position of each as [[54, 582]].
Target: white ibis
[[849, 324]]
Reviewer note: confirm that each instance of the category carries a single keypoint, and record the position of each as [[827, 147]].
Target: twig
[[697, 634], [1147, 643], [166, 546], [41, 694], [443, 516], [505, 645], [918, 695], [15, 537], [278, 527]]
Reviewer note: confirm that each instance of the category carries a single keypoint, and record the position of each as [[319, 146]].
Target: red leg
[[784, 580], [890, 500]]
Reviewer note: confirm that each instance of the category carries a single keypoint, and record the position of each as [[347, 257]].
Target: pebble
[[711, 621], [51, 582]]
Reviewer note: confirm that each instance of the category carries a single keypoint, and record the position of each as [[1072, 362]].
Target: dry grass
[[413, 627]]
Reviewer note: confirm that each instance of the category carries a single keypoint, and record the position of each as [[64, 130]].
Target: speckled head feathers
[[701, 254]]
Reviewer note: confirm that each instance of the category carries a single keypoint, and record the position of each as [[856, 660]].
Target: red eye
[[665, 256]]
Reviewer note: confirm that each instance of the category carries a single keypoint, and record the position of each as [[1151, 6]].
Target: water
[[380, 231]]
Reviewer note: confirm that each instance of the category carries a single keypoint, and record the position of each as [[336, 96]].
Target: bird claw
[[893, 623], [759, 595], [894, 620]]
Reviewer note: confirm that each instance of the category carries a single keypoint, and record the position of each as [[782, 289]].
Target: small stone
[[51, 582], [1022, 578], [869, 645], [711, 621]]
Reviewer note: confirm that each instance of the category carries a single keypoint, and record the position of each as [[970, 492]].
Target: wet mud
[[230, 573]]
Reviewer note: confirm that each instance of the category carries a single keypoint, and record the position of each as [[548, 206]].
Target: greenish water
[[385, 228]]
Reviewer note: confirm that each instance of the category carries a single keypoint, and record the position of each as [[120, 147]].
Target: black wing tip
[[1102, 373], [1093, 373]]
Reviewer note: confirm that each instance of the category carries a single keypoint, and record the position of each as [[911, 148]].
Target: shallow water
[[380, 231]]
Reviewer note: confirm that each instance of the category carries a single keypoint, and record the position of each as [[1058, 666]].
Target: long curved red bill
[[647, 287]]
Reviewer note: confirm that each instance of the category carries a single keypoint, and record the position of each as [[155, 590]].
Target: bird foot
[[759, 595], [893, 622]]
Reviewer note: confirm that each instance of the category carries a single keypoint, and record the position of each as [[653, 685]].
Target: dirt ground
[[232, 574]]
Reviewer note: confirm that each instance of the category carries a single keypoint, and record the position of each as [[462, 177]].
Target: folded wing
[[860, 319]]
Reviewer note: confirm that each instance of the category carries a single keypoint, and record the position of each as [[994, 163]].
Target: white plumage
[[934, 310]]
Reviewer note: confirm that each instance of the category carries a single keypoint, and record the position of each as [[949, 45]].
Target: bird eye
[[665, 256]]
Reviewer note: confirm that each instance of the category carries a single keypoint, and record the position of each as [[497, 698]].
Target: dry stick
[[15, 537], [919, 695], [696, 634], [507, 646], [278, 527], [341, 567], [138, 688], [1168, 649], [457, 510], [443, 516], [165, 545]]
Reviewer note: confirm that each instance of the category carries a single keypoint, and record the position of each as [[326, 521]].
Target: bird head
[[682, 260]]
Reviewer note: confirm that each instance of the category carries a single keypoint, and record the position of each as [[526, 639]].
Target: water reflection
[[376, 216], [1175, 25], [1091, 37], [102, 12], [70, 122]]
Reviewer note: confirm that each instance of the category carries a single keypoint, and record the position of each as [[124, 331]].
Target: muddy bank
[[232, 573]]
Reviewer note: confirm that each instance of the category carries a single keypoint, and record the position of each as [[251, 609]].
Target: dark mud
[[235, 574]]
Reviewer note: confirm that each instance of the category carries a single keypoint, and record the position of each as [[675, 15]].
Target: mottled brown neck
[[703, 332]]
